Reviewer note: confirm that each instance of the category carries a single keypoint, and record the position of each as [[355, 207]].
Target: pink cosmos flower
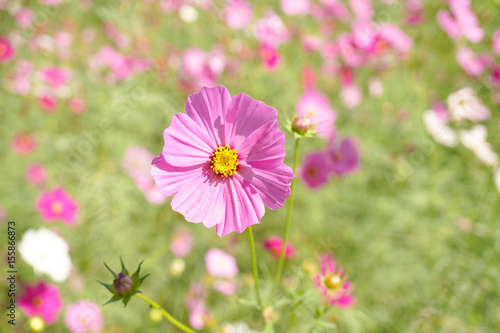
[[57, 205], [6, 50], [201, 68], [316, 106], [41, 299], [351, 95], [48, 103], [496, 41], [333, 284], [470, 63], [83, 316], [226, 287], [314, 171], [21, 82], [137, 163], [395, 37], [181, 243], [308, 78], [269, 56], [51, 2], [466, 20], [362, 9], [196, 294], [344, 157], [337, 9], [270, 30], [223, 161], [77, 105], [295, 7], [36, 174], [199, 316], [349, 52], [24, 18], [23, 144], [274, 244], [448, 24], [238, 14], [54, 77], [220, 264]]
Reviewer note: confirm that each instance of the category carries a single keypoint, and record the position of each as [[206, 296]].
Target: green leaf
[[108, 286], [109, 269], [116, 297]]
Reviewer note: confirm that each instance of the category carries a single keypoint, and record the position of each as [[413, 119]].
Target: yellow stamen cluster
[[56, 207], [224, 161]]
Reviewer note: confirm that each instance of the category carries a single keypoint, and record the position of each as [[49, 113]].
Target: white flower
[[46, 252], [188, 14], [237, 327], [464, 104], [475, 140], [438, 129]]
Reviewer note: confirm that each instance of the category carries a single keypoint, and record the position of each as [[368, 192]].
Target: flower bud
[[301, 125], [122, 284], [333, 281]]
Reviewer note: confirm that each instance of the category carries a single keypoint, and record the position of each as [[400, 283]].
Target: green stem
[[254, 267], [167, 315], [286, 233]]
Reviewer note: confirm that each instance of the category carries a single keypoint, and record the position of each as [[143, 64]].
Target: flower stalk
[[286, 232], [254, 267]]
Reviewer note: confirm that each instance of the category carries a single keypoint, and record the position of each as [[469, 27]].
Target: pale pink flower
[[220, 264], [170, 6], [199, 316], [496, 41], [333, 284], [465, 104], [41, 299], [21, 82], [83, 316], [295, 7], [36, 174], [274, 245], [440, 111], [6, 50], [316, 106], [77, 105], [314, 170], [269, 56], [448, 24], [475, 140], [238, 14], [337, 9], [375, 87], [54, 77], [137, 163], [223, 161], [24, 18], [344, 157], [181, 243], [201, 68], [226, 287], [51, 2], [466, 20], [470, 63], [196, 294], [23, 144], [362, 9], [308, 78], [57, 205], [349, 52], [270, 30], [395, 37], [48, 103], [364, 35], [350, 95]]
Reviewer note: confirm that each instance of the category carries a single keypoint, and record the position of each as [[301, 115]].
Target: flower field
[[242, 166]]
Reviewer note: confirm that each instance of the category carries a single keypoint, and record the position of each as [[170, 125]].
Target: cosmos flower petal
[[273, 186], [186, 144], [264, 148], [168, 178], [207, 108], [244, 207], [201, 199], [244, 116]]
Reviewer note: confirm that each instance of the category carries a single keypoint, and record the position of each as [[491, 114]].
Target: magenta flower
[[54, 77], [315, 169], [57, 205], [41, 299], [269, 56], [344, 157], [48, 103], [223, 161], [316, 106], [470, 62], [274, 245], [333, 283], [83, 316], [36, 174], [463, 22], [6, 50], [220, 264], [77, 105], [271, 30]]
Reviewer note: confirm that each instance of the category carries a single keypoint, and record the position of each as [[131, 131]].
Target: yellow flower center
[[333, 281], [224, 161], [56, 207]]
